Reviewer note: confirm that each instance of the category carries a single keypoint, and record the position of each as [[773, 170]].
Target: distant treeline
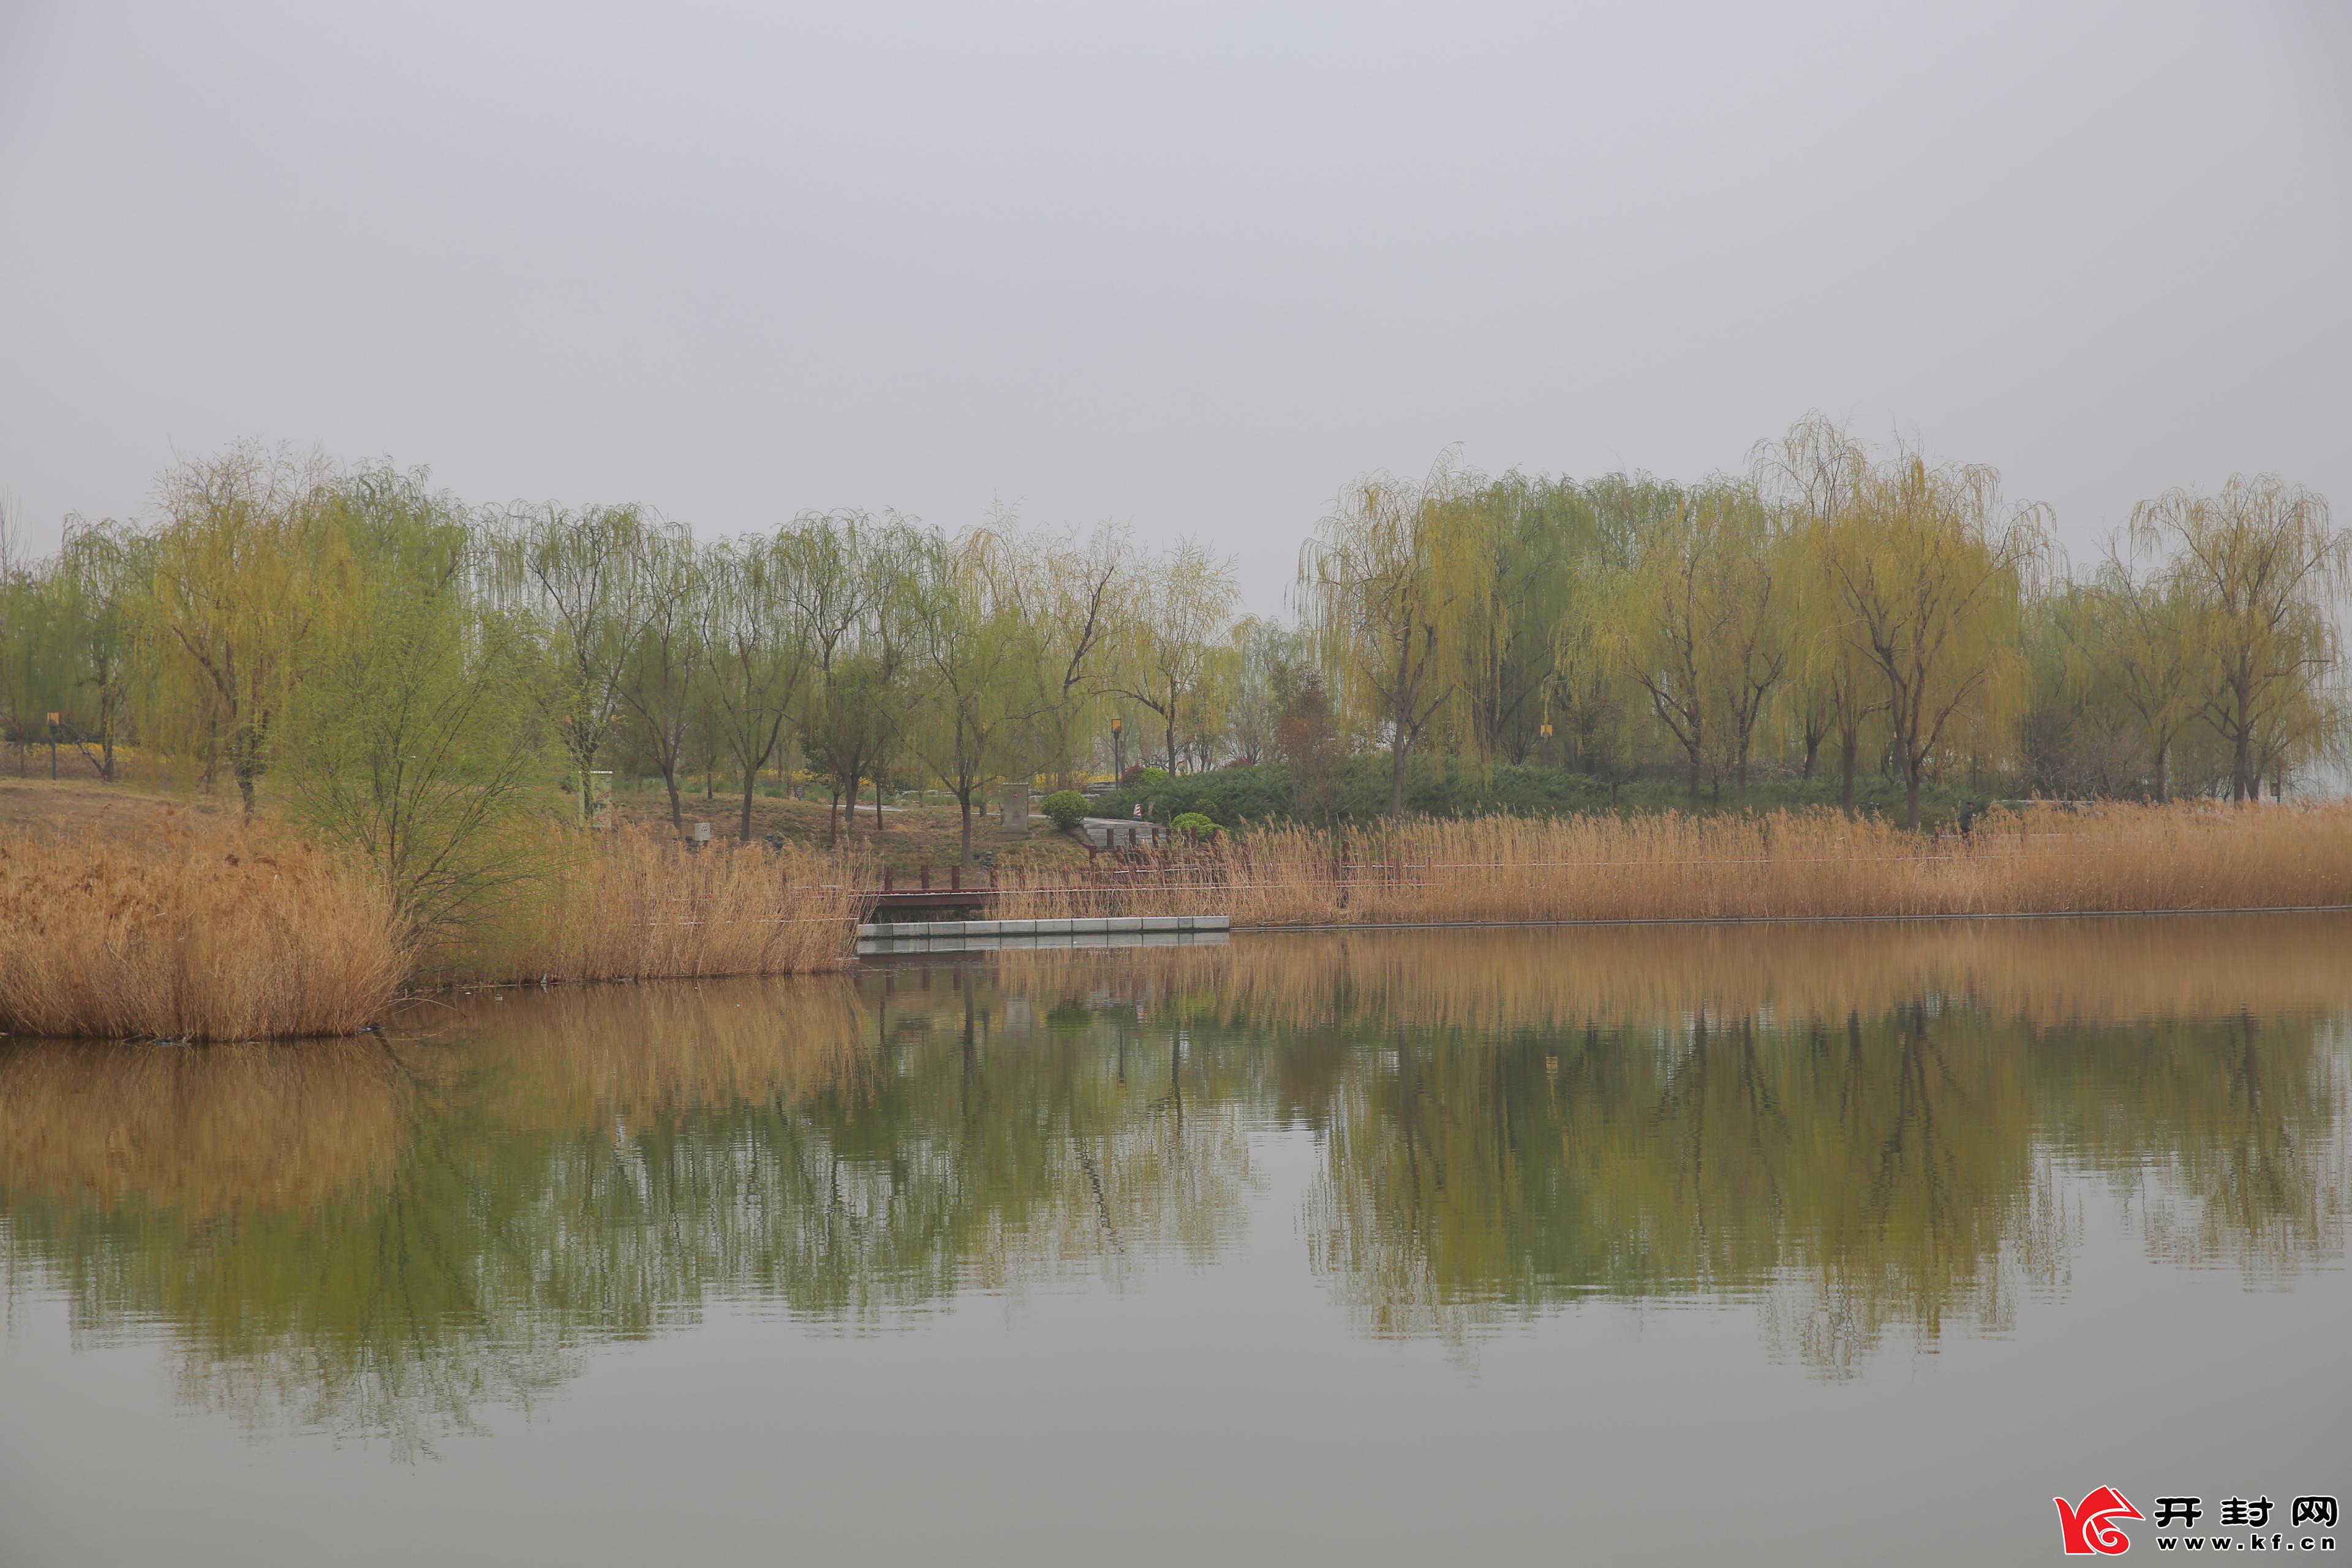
[[403, 668], [1824, 612]]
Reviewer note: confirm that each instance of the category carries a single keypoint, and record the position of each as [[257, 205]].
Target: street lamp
[[1117, 770]]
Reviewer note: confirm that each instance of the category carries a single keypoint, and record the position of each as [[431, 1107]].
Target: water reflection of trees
[[557, 1170], [1858, 1131], [2225, 1134], [1880, 1135], [1889, 1166], [1901, 1171]]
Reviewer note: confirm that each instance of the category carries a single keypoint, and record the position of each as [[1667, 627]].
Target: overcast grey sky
[[1182, 268]]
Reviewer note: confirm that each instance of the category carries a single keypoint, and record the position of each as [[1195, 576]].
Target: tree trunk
[[1396, 779], [1812, 752], [1911, 794], [751, 783], [2163, 783], [676, 807], [1849, 745], [963, 799], [244, 764], [1693, 778]]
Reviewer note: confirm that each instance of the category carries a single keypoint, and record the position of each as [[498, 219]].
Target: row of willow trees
[[1825, 609], [407, 666]]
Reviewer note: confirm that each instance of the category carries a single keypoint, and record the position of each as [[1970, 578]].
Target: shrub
[[1196, 825], [1066, 807]]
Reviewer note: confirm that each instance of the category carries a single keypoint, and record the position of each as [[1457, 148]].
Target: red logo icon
[[2085, 1525]]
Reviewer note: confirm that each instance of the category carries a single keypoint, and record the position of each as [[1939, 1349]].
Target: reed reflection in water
[[1851, 1132]]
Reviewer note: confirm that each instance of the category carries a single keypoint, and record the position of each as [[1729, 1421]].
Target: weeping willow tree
[[412, 739], [666, 669], [66, 639], [93, 582], [1812, 475], [246, 568], [1177, 611], [2140, 648], [585, 578], [838, 585], [1697, 622], [1393, 586], [977, 656], [1541, 540], [1587, 690], [1835, 685], [1077, 592], [1927, 571], [754, 624], [2258, 573]]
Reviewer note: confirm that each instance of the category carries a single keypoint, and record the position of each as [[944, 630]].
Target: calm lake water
[[1777, 1245]]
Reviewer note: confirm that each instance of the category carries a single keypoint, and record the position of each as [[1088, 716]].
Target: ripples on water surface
[[1780, 1243]]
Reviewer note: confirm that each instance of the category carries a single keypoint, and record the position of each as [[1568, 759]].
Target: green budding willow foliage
[[414, 676]]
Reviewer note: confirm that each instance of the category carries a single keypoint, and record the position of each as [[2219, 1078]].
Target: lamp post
[[1544, 729], [1116, 759]]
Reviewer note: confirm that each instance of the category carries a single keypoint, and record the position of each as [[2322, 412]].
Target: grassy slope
[[77, 806], [907, 839], [916, 837]]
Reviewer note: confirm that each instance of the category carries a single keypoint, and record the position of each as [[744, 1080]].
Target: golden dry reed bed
[[634, 906], [1786, 866], [203, 931], [195, 932]]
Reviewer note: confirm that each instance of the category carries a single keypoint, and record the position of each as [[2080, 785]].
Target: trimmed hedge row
[[1447, 787]]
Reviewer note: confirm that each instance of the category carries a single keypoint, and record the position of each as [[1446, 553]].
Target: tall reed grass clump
[[1784, 865], [637, 906], [207, 931], [197, 931]]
